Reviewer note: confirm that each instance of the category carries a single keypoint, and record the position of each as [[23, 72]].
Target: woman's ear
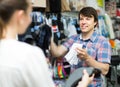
[[20, 17]]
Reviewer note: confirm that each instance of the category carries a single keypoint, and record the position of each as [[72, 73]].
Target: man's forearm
[[53, 48], [57, 51], [102, 66]]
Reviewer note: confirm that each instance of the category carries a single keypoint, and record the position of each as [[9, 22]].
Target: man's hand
[[82, 53]]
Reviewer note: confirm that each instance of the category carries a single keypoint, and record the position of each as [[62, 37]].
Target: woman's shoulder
[[19, 47], [28, 47], [30, 52]]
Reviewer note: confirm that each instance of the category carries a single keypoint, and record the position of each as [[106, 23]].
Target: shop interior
[[59, 18]]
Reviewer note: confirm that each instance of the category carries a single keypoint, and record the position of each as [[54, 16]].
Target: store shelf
[[39, 3]]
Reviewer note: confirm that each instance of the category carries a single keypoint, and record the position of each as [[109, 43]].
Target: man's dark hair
[[89, 12]]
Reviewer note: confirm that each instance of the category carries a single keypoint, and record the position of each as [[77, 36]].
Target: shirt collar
[[92, 38]]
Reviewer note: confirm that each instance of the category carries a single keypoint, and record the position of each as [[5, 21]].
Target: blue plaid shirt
[[97, 46]]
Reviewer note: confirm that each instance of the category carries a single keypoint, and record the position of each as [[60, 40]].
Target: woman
[[21, 65]]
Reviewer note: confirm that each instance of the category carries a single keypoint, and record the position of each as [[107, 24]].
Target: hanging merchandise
[[118, 12], [102, 27], [37, 17], [92, 3], [29, 39], [42, 35], [61, 69], [110, 7], [61, 29], [54, 24], [48, 19], [65, 26], [38, 33], [55, 30], [112, 43], [71, 27], [70, 24], [47, 9], [108, 22], [76, 5], [72, 30], [55, 6], [100, 3], [65, 6]]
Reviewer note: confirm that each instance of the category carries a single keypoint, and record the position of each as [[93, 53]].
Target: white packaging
[[71, 56]]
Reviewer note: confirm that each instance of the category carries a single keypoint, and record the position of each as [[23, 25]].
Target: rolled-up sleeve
[[104, 52]]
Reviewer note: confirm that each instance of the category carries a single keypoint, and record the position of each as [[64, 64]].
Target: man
[[96, 51]]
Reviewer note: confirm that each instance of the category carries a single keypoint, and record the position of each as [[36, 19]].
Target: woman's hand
[[86, 80]]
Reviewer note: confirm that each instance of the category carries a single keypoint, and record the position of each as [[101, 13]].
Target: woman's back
[[23, 65]]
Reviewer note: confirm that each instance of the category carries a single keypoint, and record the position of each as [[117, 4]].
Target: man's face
[[86, 23]]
